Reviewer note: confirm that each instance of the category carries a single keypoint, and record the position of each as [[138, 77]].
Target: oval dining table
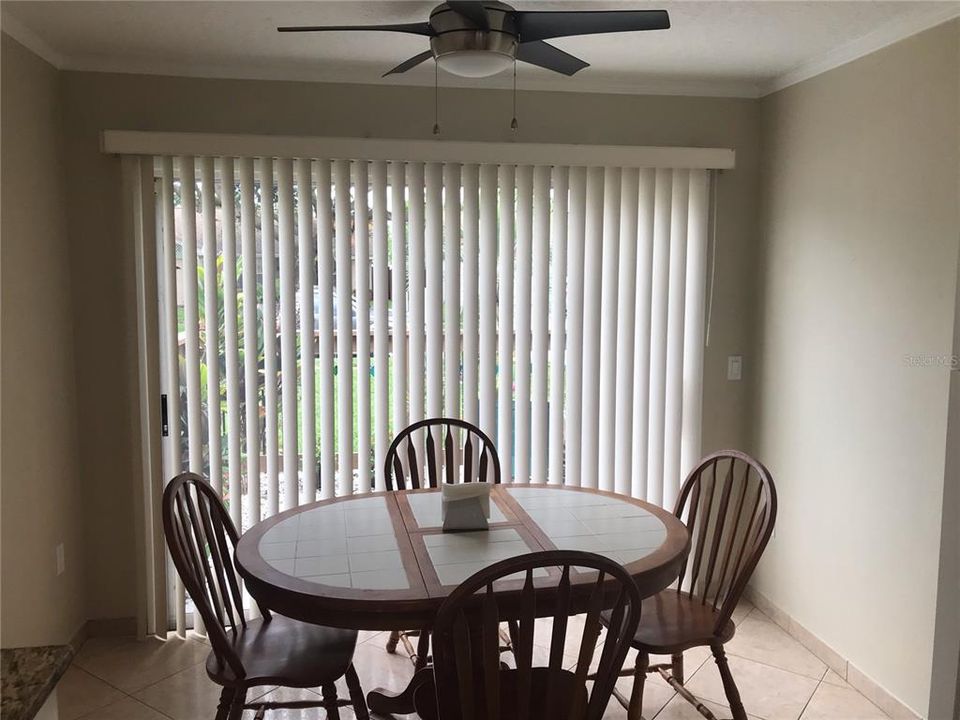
[[380, 561]]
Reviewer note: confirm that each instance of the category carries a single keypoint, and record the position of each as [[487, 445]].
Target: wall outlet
[[61, 560], [734, 367]]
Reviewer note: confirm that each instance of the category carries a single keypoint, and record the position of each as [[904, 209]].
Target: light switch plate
[[734, 367]]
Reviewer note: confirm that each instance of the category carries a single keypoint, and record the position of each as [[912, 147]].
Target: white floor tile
[[130, 665], [79, 693], [760, 639], [830, 702], [765, 691], [125, 709]]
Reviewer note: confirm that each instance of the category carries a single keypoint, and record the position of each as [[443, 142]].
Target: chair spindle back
[[202, 540], [471, 682], [437, 450], [729, 504]]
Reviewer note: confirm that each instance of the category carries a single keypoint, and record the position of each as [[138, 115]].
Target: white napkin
[[465, 506]]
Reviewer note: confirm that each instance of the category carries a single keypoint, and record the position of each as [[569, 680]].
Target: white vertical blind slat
[[228, 223], [268, 249], [345, 330], [398, 294], [558, 310], [658, 333], [416, 271], [308, 415], [608, 327], [693, 350], [576, 224], [471, 251], [251, 375], [288, 331], [451, 289], [641, 347], [487, 270], [506, 178], [521, 307], [211, 320], [362, 282], [592, 274], [172, 448], [378, 202], [191, 320], [673, 404], [626, 309], [539, 311], [326, 347], [433, 241]]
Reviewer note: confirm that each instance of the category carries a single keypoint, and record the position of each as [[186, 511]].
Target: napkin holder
[[465, 506]]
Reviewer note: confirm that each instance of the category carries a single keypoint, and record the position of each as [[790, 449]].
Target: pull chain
[[436, 98], [513, 123]]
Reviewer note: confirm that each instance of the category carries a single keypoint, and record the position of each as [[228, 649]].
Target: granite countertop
[[28, 676]]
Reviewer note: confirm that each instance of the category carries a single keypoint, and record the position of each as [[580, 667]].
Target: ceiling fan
[[480, 38]]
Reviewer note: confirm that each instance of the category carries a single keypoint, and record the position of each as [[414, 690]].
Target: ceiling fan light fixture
[[474, 63]]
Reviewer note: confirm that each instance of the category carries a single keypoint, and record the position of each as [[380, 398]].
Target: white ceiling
[[724, 47]]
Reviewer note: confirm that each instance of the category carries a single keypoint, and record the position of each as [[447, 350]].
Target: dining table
[[381, 560]]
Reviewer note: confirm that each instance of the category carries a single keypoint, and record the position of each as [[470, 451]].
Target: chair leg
[[356, 694], [392, 641], [676, 669], [729, 686], [634, 711], [226, 698], [330, 703], [237, 703], [423, 650]]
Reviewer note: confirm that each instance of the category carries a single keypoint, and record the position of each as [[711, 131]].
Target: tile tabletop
[[353, 543]]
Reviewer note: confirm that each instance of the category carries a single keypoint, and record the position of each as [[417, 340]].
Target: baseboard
[[79, 637], [855, 677]]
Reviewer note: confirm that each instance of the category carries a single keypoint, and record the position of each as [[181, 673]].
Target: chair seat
[[425, 699], [283, 651], [672, 622]]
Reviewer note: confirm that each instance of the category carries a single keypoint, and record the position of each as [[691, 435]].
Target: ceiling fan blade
[[537, 25], [411, 28], [552, 58], [410, 63], [472, 10]]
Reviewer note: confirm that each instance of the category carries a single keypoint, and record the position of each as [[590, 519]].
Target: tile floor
[[125, 679]]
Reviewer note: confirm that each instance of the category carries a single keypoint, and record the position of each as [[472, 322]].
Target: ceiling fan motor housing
[[456, 37]]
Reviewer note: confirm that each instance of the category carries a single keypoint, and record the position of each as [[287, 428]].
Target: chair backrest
[[202, 540], [729, 504], [437, 450], [472, 684]]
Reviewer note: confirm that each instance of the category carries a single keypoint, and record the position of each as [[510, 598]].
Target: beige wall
[[859, 229], [41, 495], [104, 309]]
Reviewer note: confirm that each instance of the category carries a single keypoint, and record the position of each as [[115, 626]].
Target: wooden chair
[[427, 453], [729, 504], [272, 650], [471, 682], [423, 455]]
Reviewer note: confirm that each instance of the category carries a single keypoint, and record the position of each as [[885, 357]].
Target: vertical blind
[[310, 309]]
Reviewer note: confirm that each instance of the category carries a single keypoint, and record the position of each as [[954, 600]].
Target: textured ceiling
[[721, 47]]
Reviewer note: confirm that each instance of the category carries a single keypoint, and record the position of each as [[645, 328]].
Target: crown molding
[[878, 39], [29, 39]]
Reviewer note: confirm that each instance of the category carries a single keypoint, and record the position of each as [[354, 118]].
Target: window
[[311, 308]]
